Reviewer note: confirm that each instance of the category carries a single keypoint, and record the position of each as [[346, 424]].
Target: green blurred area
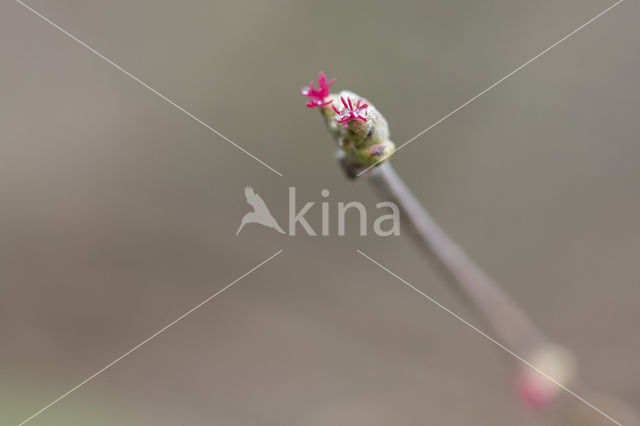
[[18, 397]]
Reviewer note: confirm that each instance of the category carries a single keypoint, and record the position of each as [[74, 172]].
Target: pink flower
[[351, 113], [317, 96]]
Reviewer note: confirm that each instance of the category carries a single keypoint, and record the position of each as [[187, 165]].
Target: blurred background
[[119, 212]]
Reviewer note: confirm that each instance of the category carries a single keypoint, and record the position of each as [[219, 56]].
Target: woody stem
[[507, 321]]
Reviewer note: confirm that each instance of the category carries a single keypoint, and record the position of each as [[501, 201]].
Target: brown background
[[118, 212]]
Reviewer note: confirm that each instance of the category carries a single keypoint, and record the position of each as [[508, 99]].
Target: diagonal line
[[491, 339], [151, 89], [189, 312], [499, 81]]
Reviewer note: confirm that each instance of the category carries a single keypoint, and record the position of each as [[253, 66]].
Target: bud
[[357, 126]]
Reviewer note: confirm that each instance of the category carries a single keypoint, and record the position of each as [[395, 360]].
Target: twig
[[507, 321], [362, 134]]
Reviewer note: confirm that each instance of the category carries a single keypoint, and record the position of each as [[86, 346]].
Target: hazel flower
[[350, 112], [359, 129], [317, 96]]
